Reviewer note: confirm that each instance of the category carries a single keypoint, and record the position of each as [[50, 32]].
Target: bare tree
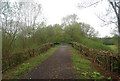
[[112, 19], [116, 6], [30, 12], [9, 26], [16, 17]]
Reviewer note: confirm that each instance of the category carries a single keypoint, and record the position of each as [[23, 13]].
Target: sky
[[55, 10]]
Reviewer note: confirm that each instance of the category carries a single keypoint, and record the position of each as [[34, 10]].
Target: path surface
[[57, 66]]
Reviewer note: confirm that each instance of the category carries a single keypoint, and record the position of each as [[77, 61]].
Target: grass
[[23, 69], [83, 67], [113, 47], [98, 45], [93, 44]]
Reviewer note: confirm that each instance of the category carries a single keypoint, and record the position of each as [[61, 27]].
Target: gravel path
[[57, 66]]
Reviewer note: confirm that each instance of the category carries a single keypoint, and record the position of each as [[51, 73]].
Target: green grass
[[83, 67], [93, 44], [113, 47], [23, 69]]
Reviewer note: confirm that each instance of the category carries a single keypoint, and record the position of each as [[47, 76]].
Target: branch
[[90, 4], [114, 8], [107, 22]]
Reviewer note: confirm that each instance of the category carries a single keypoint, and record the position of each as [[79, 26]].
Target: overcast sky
[[55, 10]]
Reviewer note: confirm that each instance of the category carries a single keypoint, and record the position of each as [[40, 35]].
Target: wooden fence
[[108, 60], [15, 59]]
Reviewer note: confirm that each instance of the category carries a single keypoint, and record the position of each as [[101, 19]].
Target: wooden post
[[33, 51]]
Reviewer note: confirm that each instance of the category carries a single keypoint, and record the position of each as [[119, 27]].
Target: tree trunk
[[119, 31]]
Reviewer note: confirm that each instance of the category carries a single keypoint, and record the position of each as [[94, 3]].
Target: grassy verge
[[94, 44], [22, 69], [83, 67], [113, 47]]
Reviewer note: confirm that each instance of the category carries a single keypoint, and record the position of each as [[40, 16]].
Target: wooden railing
[[14, 59], [105, 58]]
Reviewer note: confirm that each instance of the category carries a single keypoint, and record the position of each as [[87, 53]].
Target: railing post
[[33, 52]]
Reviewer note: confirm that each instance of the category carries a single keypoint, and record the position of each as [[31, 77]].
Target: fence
[[15, 59], [107, 59]]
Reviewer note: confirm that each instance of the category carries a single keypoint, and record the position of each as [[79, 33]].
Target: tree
[[115, 6], [18, 19], [69, 24], [69, 20], [88, 31], [75, 31], [9, 25]]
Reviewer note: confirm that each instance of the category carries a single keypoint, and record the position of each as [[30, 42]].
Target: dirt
[[57, 66]]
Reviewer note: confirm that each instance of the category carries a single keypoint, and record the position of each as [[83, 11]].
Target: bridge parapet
[[14, 59], [107, 59]]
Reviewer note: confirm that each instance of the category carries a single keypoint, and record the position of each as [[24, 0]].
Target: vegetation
[[15, 59], [22, 69], [83, 67], [20, 33], [114, 48], [23, 27], [111, 42], [106, 59]]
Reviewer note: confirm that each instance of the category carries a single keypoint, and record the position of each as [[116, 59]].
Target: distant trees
[[81, 32], [89, 31], [78, 29], [69, 20], [23, 27]]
